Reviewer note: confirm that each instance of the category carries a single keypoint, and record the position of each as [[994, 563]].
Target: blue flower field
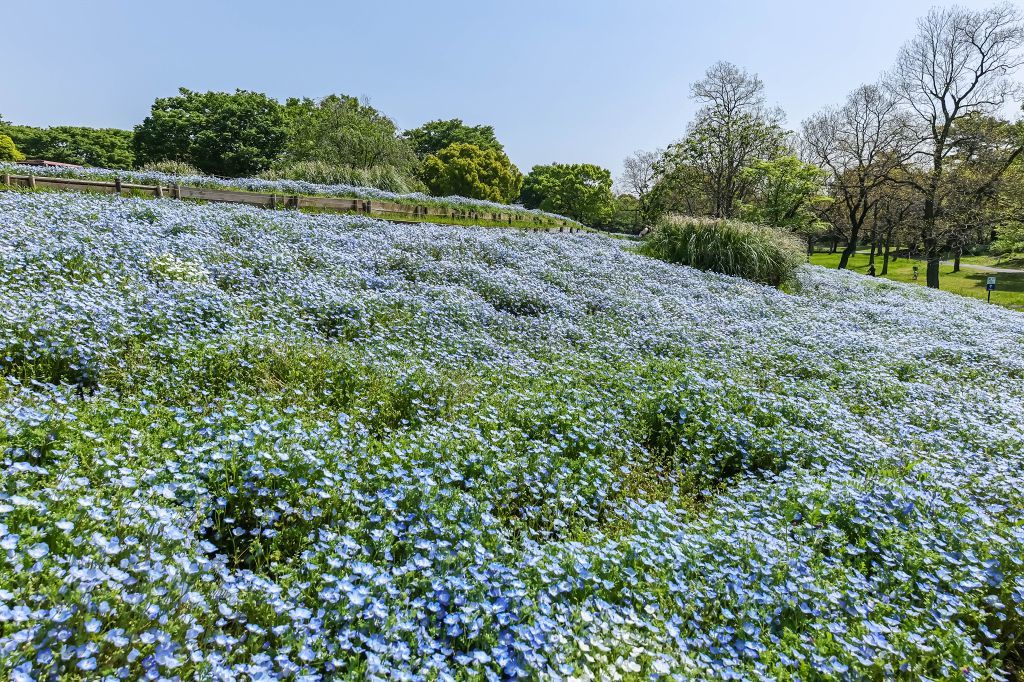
[[258, 445]]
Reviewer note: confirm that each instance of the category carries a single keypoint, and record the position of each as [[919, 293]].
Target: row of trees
[[337, 138], [922, 158]]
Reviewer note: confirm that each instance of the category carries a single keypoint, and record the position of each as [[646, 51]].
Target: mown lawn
[[968, 282]]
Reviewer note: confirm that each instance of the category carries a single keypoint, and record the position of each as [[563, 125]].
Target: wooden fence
[[385, 210]]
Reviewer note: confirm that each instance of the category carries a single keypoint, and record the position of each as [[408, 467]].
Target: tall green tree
[[433, 136], [344, 131], [235, 134], [100, 147], [581, 191], [466, 170], [732, 129]]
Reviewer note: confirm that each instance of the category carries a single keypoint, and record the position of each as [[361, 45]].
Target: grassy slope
[[968, 282], [337, 448]]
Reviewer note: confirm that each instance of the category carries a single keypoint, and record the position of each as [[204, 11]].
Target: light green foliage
[[8, 150], [341, 130], [232, 134], [432, 137], [466, 170], [388, 178], [581, 191], [783, 194], [171, 168], [101, 147], [755, 252]]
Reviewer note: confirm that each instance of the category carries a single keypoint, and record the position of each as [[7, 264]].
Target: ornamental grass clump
[[755, 252]]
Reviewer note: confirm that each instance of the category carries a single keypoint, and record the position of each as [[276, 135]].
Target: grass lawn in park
[[1009, 290]]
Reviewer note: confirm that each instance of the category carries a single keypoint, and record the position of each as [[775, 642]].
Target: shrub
[[8, 151], [171, 168], [387, 178], [466, 170], [755, 252]]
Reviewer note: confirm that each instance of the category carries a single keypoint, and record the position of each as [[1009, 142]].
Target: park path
[[985, 268]]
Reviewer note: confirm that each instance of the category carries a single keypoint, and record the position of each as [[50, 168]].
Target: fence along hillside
[[376, 208]]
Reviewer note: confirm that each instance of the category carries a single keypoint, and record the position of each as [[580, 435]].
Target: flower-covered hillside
[[263, 445]]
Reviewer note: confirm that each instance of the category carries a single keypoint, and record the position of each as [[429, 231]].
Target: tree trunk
[[958, 251], [851, 248], [934, 255], [835, 245], [885, 251]]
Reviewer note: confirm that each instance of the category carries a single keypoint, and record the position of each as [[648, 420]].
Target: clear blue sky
[[580, 81]]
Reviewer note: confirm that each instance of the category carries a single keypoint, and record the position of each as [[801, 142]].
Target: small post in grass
[[990, 284]]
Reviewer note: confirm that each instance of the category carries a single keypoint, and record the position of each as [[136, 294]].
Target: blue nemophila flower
[[283, 446]]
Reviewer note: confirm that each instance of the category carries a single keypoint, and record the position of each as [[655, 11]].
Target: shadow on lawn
[[1004, 281]]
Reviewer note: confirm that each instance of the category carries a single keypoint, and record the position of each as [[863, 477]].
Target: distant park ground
[[969, 281]]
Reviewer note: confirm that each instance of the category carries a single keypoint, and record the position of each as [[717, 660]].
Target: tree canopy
[[783, 192], [342, 130], [732, 129], [581, 191], [233, 134], [102, 147], [434, 136], [469, 171]]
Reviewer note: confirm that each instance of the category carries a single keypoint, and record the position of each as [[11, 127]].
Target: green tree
[[432, 137], [733, 128], [581, 191], [8, 150], [235, 134], [100, 147], [340, 130], [466, 170], [783, 192]]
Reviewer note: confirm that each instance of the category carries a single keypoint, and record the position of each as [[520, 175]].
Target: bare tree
[[960, 63], [859, 144], [732, 129], [638, 179]]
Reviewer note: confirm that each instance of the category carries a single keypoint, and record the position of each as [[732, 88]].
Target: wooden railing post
[[176, 191], [159, 192], [7, 179], [31, 181], [117, 184]]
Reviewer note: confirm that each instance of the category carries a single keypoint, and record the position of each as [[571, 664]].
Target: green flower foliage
[[581, 191], [469, 171]]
